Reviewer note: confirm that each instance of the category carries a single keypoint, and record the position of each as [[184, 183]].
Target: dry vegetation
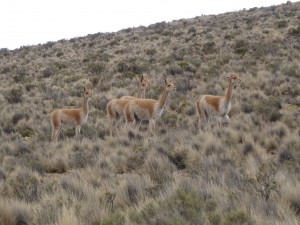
[[245, 173]]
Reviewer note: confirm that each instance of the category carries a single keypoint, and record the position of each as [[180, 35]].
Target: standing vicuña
[[148, 109], [115, 107], [72, 117], [210, 105]]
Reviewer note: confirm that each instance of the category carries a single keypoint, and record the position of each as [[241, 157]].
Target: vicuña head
[[144, 84], [115, 107], [138, 110], [209, 105], [71, 117]]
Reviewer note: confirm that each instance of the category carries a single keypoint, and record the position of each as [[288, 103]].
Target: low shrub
[[269, 109], [116, 218], [14, 95], [236, 218], [294, 31], [24, 184], [281, 24], [241, 47]]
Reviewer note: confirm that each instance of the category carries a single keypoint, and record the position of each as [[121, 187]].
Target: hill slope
[[245, 173]]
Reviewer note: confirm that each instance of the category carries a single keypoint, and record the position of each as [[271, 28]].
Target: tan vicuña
[[210, 105], [71, 117], [115, 107], [138, 110]]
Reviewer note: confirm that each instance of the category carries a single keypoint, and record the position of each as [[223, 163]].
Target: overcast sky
[[31, 22]]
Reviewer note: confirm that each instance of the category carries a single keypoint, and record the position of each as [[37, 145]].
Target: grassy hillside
[[245, 173]]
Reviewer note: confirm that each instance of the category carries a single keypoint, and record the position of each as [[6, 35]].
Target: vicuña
[[115, 107], [209, 105], [71, 117], [138, 110]]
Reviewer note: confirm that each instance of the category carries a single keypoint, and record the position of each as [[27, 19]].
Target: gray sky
[[31, 22]]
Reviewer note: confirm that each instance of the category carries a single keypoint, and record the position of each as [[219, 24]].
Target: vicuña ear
[[142, 78], [227, 77], [166, 80], [84, 88]]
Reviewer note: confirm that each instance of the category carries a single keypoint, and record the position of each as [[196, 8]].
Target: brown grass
[[244, 173]]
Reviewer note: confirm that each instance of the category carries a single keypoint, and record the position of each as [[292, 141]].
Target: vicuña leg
[[111, 125], [204, 121], [225, 120], [152, 126], [55, 133], [77, 130]]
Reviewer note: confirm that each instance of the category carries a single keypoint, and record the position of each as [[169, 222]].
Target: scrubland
[[245, 173]]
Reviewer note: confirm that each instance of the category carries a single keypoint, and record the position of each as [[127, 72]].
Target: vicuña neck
[[85, 105], [140, 92], [163, 98], [229, 91]]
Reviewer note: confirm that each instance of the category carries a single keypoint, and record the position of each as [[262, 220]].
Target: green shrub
[[26, 131], [133, 68], [223, 60], [247, 107], [59, 54], [14, 95], [20, 74], [210, 205], [23, 184], [116, 218], [169, 118], [189, 204], [60, 65], [285, 156], [248, 148], [7, 126], [241, 47], [291, 70], [148, 212], [183, 207], [30, 86], [282, 24], [294, 32], [178, 158], [19, 116], [269, 109], [265, 182], [295, 205], [12, 213], [151, 52], [275, 116], [192, 30], [236, 218], [48, 72], [5, 70], [96, 68], [214, 218], [69, 132], [209, 47], [229, 36]]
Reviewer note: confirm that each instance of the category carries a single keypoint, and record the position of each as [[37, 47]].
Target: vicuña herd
[[134, 110]]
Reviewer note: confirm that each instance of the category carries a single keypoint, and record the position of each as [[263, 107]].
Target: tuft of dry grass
[[12, 213]]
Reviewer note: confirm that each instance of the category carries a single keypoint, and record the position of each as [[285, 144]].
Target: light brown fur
[[72, 117], [138, 110], [210, 105], [214, 101], [115, 107]]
